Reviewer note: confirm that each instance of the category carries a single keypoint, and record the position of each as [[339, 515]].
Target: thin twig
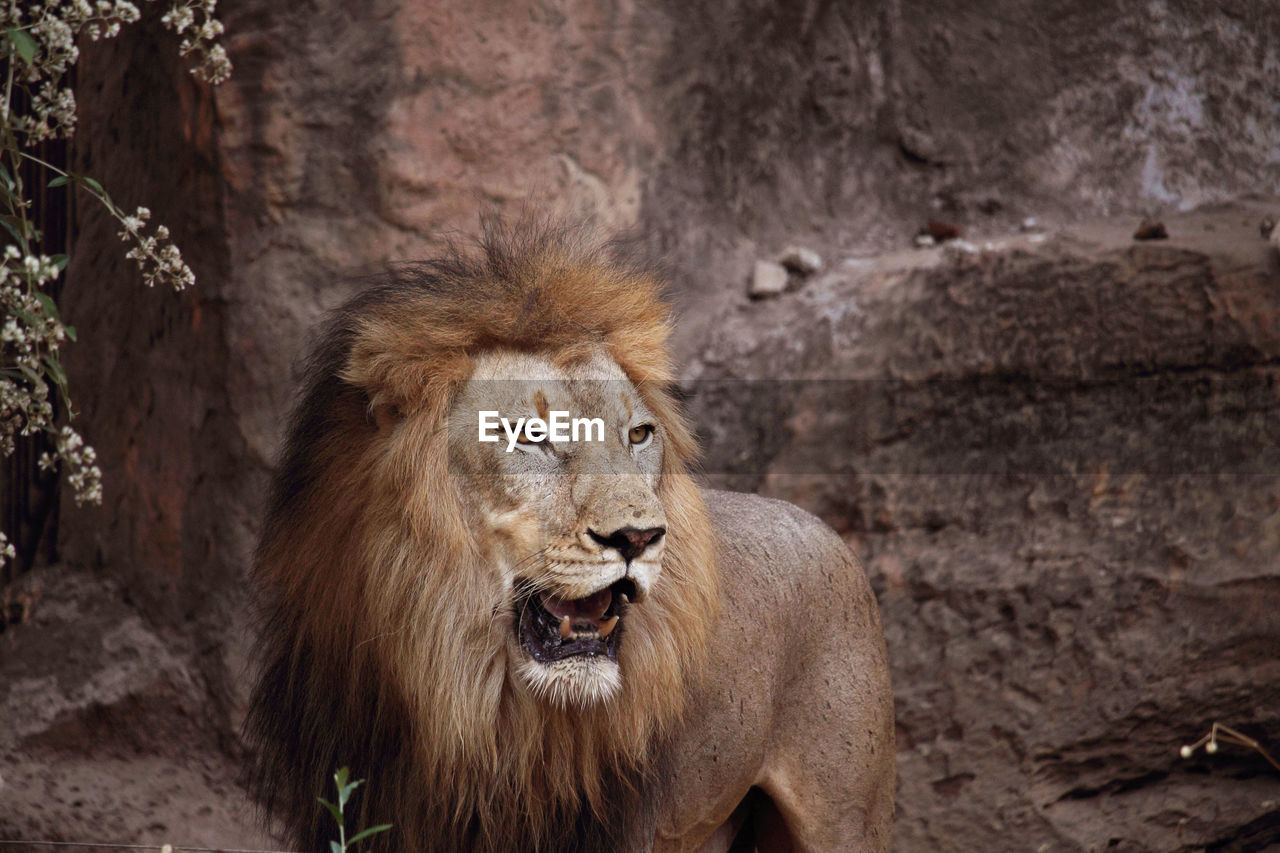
[[1225, 734]]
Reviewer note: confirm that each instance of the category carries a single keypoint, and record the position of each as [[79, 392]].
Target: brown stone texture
[[1059, 461], [1056, 453]]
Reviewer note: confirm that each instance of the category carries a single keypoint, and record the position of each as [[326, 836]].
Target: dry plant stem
[[1225, 734], [158, 259]]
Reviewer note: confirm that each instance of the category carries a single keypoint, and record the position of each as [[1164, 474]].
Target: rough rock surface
[[358, 133], [1061, 463]]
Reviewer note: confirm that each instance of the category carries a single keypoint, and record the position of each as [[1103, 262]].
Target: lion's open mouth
[[553, 628]]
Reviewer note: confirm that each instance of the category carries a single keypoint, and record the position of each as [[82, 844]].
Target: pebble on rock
[[800, 260], [941, 231], [768, 279], [1151, 229]]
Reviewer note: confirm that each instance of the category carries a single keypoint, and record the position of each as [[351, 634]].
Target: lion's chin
[[576, 681]]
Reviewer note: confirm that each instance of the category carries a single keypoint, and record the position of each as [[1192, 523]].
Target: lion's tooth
[[566, 627], [607, 626]]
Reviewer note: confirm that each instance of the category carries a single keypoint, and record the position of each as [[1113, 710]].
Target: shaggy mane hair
[[384, 630]]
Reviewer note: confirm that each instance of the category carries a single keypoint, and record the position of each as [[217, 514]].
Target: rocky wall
[[1060, 459]]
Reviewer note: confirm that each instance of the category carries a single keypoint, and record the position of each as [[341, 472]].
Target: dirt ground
[[106, 737]]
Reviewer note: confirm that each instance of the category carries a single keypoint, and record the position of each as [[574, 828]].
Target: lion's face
[[573, 530]]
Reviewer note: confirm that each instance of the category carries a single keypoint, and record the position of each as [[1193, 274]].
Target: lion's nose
[[630, 542]]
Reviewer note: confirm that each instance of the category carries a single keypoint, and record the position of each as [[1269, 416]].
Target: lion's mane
[[381, 639]]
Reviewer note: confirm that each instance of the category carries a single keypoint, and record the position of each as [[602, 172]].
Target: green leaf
[[360, 836], [14, 231], [60, 181], [335, 847], [34, 378], [24, 44], [71, 332], [345, 793], [333, 810], [92, 183], [60, 261], [17, 226], [341, 776], [50, 307], [55, 368], [56, 372]]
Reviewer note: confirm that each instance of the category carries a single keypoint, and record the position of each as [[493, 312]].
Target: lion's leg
[[755, 826], [763, 829], [830, 766], [822, 812]]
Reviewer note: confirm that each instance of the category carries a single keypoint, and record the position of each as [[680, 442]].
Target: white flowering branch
[[38, 48]]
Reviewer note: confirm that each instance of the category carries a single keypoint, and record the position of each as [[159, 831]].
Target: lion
[[530, 645]]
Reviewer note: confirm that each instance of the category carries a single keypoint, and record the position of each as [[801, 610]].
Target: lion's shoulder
[[751, 523], [774, 556]]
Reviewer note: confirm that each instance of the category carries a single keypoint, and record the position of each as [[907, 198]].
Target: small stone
[[768, 279], [923, 241], [1267, 227], [1030, 225], [1151, 229], [800, 260], [941, 231]]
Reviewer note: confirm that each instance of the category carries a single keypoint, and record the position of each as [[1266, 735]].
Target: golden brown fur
[[382, 622]]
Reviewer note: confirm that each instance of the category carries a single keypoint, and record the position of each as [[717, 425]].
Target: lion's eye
[[522, 437], [640, 435]]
